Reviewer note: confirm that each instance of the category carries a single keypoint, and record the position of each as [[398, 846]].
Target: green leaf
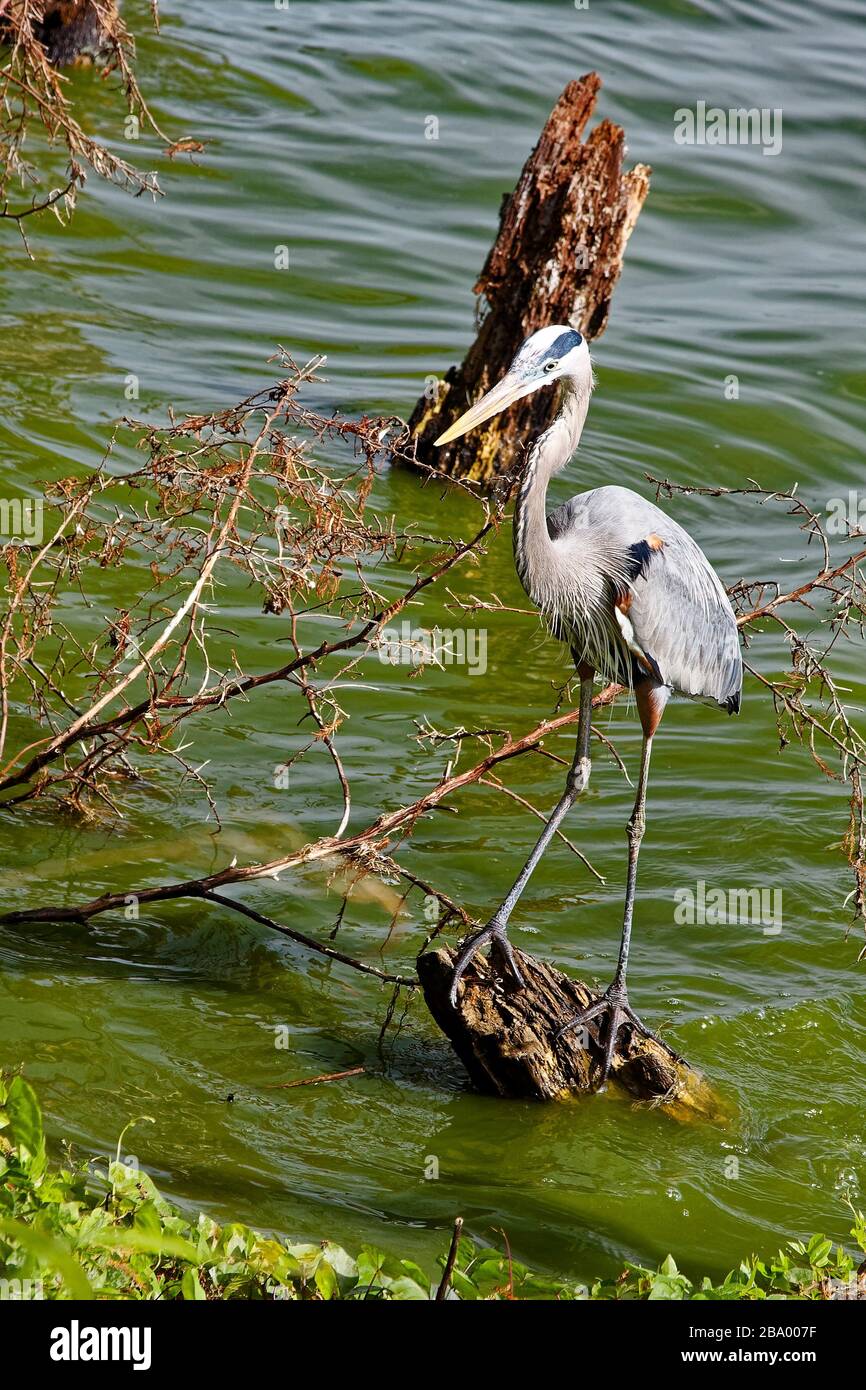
[[145, 1242], [147, 1219], [371, 1266], [25, 1120], [407, 1289], [416, 1272], [326, 1280], [49, 1251], [463, 1286], [191, 1288], [665, 1287], [819, 1250], [340, 1261]]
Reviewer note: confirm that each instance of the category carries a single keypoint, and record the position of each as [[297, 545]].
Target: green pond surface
[[742, 264]]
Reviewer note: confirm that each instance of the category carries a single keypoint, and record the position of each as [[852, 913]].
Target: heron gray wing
[[677, 606], [683, 618]]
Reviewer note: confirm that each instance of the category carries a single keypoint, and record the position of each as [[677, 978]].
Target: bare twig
[[315, 1080], [448, 1271], [35, 97]]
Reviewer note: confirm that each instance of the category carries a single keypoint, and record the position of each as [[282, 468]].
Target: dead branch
[[37, 38]]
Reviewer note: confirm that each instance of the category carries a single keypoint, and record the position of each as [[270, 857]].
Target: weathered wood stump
[[562, 236], [506, 1039]]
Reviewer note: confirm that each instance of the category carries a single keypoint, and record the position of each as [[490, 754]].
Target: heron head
[[545, 356]]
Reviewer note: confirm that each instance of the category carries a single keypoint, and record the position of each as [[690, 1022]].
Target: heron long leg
[[635, 831], [578, 778], [614, 1002]]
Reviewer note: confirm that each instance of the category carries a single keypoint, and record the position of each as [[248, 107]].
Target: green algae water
[[744, 264]]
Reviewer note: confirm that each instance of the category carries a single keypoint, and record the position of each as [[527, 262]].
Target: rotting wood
[[507, 1039], [562, 236]]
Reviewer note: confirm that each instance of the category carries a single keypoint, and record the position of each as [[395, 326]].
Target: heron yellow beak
[[498, 398]]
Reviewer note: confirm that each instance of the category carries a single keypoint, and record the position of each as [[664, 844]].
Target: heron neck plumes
[[535, 554]]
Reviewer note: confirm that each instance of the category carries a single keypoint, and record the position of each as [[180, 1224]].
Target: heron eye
[[549, 366]]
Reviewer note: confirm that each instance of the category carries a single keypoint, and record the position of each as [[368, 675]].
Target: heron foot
[[496, 933], [614, 1004]]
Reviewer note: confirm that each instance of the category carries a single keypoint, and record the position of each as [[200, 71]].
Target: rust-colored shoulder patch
[[655, 542]]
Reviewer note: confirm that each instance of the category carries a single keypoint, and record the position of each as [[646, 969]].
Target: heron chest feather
[[573, 593]]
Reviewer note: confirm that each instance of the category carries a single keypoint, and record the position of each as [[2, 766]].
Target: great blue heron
[[631, 593]]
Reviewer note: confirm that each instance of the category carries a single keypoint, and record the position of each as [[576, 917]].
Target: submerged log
[[507, 1039], [562, 236]]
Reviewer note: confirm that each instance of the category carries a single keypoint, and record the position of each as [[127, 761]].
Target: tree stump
[[562, 236], [506, 1039]]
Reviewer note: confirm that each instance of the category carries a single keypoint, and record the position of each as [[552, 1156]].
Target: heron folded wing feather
[[681, 613], [639, 556], [645, 661]]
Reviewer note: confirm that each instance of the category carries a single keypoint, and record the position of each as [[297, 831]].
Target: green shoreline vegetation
[[85, 1231]]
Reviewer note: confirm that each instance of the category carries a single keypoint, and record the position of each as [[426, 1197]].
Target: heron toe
[[497, 935], [614, 1004]]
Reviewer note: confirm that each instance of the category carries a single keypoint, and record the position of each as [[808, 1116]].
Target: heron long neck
[[534, 552]]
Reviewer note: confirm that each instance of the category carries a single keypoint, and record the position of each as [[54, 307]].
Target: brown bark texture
[[506, 1038], [562, 236]]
